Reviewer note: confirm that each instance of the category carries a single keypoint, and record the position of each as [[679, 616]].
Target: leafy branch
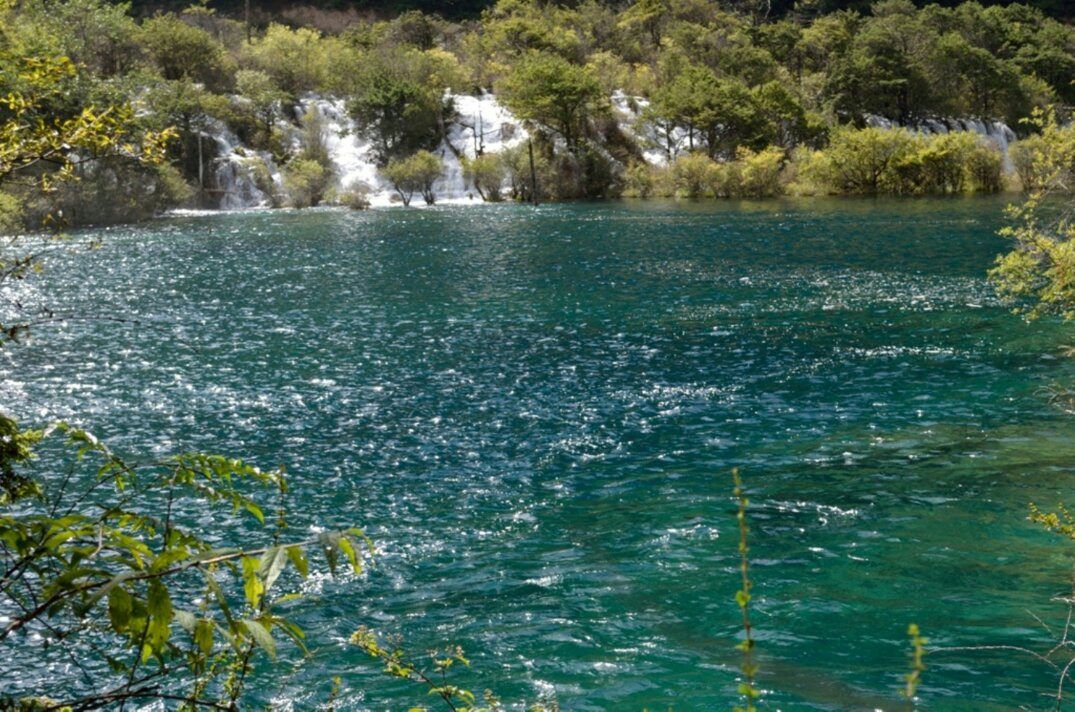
[[89, 547]]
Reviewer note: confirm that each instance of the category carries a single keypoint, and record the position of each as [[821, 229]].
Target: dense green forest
[[735, 99], [458, 9]]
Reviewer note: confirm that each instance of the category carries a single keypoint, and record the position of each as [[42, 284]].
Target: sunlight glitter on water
[[533, 413]]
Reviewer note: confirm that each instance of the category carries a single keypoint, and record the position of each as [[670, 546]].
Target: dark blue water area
[[534, 413]]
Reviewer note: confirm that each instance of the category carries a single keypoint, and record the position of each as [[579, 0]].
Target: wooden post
[[246, 18], [533, 173]]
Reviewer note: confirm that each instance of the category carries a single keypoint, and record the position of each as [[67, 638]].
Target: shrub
[[754, 174], [641, 180], [694, 175], [985, 167], [1046, 159], [304, 182], [863, 160], [899, 161], [355, 196]]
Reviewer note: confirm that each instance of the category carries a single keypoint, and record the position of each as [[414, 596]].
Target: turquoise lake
[[534, 413]]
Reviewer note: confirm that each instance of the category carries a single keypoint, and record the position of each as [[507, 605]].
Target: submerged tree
[[415, 174], [486, 173]]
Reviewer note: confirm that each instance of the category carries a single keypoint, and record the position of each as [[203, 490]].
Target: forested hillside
[[459, 9], [657, 97]]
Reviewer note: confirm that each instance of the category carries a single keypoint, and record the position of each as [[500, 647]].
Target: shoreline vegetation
[[532, 101]]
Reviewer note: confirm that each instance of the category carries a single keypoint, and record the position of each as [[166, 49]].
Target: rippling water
[[534, 412]]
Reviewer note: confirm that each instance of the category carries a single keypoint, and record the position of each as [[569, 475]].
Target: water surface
[[534, 413]]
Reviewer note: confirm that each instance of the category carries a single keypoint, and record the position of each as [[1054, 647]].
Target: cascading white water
[[231, 171], [481, 125], [349, 152], [996, 131], [657, 143]]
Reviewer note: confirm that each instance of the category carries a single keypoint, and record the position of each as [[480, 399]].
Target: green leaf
[[203, 635], [271, 564], [294, 632], [119, 608], [252, 585], [298, 560], [348, 548], [255, 510], [359, 535], [261, 635], [221, 600], [329, 545], [107, 589], [159, 606]]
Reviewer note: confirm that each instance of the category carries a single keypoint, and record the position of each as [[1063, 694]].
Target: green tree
[[40, 149], [719, 114], [414, 174], [486, 173], [297, 60], [190, 109], [401, 115], [554, 93], [649, 16], [95, 34], [181, 51], [886, 69], [1038, 274], [786, 122], [414, 28], [266, 100]]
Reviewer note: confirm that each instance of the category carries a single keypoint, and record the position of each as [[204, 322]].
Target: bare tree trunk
[[533, 173]]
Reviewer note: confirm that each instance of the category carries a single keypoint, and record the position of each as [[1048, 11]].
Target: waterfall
[[350, 153], [481, 125], [993, 130], [231, 171], [656, 142]]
